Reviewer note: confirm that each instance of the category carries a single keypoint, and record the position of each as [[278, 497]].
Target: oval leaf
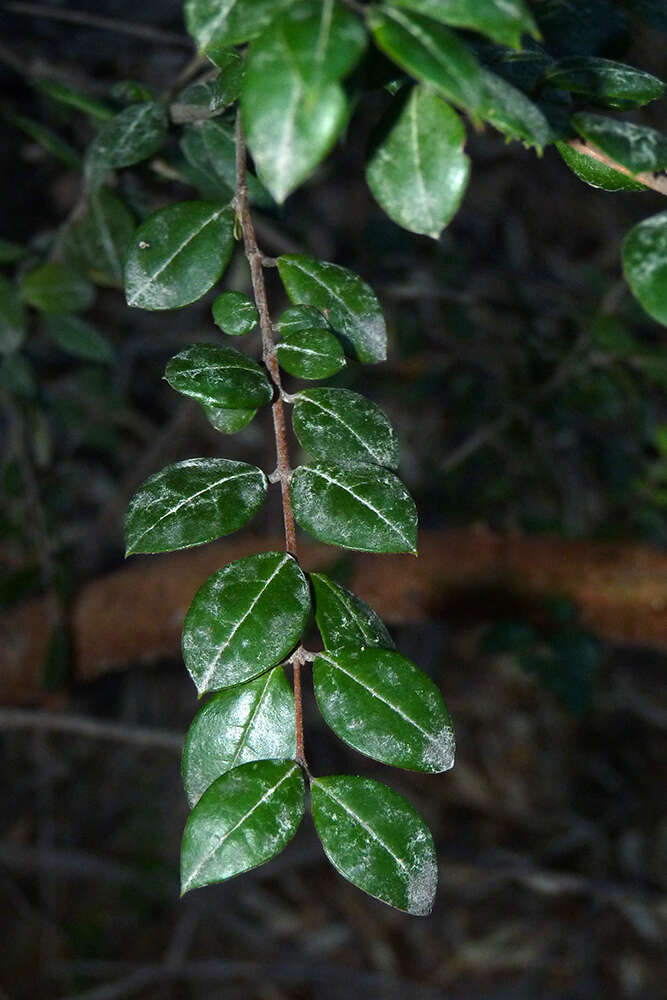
[[376, 840], [348, 303], [192, 502], [509, 110], [313, 353], [343, 619], [503, 20], [132, 135], [219, 376], [342, 426], [595, 173], [253, 721], [384, 706], [364, 507], [77, 337], [246, 817], [235, 313], [177, 254], [55, 288], [227, 420], [245, 619], [636, 147], [605, 80], [419, 172], [231, 22], [645, 264]]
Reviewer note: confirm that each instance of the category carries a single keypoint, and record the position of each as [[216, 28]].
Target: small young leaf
[[235, 313], [605, 80], [192, 502], [376, 840], [54, 288], [77, 337], [501, 20], [430, 53], [132, 135], [384, 706], [347, 302], [246, 817], [636, 147], [341, 426], [177, 254], [645, 264], [245, 619], [419, 172], [231, 22], [343, 619], [219, 376], [252, 721], [313, 353], [12, 317], [98, 243], [512, 113], [364, 507], [595, 173], [226, 419]]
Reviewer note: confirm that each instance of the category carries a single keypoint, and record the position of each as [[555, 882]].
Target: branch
[[655, 181], [144, 31], [16, 718]]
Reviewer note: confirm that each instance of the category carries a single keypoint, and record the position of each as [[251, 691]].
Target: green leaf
[[98, 243], [12, 317], [343, 619], [376, 840], [512, 113], [198, 102], [210, 147], [246, 817], [432, 54], [636, 147], [235, 313], [244, 619], [192, 502], [341, 426], [54, 288], [605, 80], [290, 123], [296, 319], [595, 173], [177, 254], [347, 302], [132, 135], [384, 706], [231, 21], [419, 172], [645, 264], [364, 507], [226, 419], [47, 139], [252, 721], [313, 353], [9, 251], [75, 336], [501, 20], [219, 376], [75, 99]]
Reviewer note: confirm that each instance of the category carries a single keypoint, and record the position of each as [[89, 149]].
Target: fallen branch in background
[[135, 614]]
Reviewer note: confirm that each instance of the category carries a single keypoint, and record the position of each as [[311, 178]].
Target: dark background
[[551, 829]]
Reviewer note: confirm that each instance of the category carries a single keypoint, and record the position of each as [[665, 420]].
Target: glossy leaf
[[512, 113], [210, 147], [432, 54], [231, 21], [595, 173], [419, 172], [384, 706], [605, 80], [12, 317], [55, 288], [47, 139], [244, 619], [636, 147], [177, 254], [98, 243], [252, 721], [235, 313], [226, 419], [75, 336], [192, 502], [343, 619], [341, 426], [347, 302], [364, 507], [296, 319], [376, 840], [75, 99], [645, 264], [132, 135], [313, 353], [503, 20], [246, 817], [219, 376]]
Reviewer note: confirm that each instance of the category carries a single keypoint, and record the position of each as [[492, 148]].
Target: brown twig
[[657, 182], [283, 472], [72, 725]]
